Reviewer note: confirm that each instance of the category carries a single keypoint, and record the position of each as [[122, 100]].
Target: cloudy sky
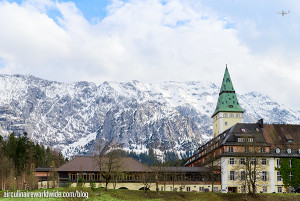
[[156, 40]]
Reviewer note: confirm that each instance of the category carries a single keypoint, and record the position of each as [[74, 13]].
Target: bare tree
[[108, 160], [251, 168], [7, 173], [147, 179], [53, 175], [30, 178], [212, 170]]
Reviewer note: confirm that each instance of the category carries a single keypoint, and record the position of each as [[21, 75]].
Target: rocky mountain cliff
[[173, 116]]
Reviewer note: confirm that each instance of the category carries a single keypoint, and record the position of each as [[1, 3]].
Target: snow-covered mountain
[[172, 116]]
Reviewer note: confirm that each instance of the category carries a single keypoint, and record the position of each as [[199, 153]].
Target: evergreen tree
[[11, 147], [49, 157], [39, 155], [23, 156]]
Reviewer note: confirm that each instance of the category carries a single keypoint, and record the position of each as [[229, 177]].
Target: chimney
[[261, 123]]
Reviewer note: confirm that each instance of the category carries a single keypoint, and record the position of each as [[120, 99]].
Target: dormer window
[[241, 139], [249, 139], [243, 130], [277, 151], [288, 150], [299, 151], [288, 138]]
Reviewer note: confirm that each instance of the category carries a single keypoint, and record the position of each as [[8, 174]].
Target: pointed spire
[[227, 83], [227, 101]]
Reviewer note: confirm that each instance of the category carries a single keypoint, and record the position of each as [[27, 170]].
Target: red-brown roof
[[89, 164], [277, 135]]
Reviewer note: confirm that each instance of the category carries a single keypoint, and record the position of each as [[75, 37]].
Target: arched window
[[277, 151], [288, 150]]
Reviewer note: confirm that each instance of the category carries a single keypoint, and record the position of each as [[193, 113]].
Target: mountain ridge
[[167, 116]]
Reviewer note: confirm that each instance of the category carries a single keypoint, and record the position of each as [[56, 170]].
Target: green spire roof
[[227, 101]]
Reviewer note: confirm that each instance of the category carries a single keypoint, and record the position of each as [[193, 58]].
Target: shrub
[[93, 185], [80, 182]]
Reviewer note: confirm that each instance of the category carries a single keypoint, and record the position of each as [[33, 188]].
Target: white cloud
[[145, 40]]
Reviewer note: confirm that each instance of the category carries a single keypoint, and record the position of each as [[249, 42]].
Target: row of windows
[[278, 161], [230, 115], [188, 188], [235, 175], [176, 176], [279, 178], [265, 189], [242, 161], [243, 189], [99, 177], [245, 139], [201, 189], [288, 150], [247, 149]]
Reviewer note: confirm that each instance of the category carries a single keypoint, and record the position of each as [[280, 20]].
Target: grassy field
[[113, 195]]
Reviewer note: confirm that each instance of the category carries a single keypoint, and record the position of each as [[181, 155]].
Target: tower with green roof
[[228, 111]]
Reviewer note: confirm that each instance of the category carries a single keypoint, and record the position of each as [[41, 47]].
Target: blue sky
[[93, 9], [156, 40]]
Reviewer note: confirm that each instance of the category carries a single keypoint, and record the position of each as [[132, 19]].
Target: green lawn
[[113, 195]]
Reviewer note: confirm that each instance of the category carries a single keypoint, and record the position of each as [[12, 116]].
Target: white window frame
[[249, 139], [253, 161], [264, 161], [242, 161], [264, 176], [231, 161], [278, 162], [265, 189], [230, 149], [232, 175], [243, 189], [279, 178], [243, 175], [279, 189]]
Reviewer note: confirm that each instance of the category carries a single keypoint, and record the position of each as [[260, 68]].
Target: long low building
[[129, 173]]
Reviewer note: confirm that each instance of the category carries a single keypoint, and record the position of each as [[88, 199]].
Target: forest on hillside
[[20, 156]]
